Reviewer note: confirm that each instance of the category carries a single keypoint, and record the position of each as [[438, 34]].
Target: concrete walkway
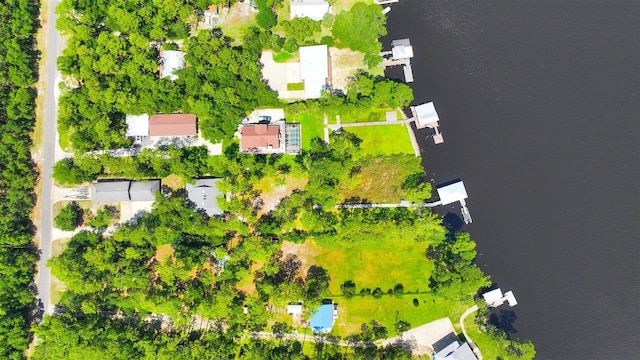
[[473, 346]]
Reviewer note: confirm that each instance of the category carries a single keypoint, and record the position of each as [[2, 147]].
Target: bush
[[104, 217], [365, 292], [348, 289], [398, 290], [70, 217], [377, 293], [416, 302], [290, 45]]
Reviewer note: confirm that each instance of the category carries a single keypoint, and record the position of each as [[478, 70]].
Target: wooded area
[[18, 57]]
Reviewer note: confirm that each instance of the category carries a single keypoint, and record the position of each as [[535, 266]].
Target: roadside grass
[[58, 246], [389, 309], [236, 22], [64, 140], [383, 139], [380, 178], [312, 126], [90, 209], [57, 288]]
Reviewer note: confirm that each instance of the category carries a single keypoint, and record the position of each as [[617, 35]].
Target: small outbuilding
[[172, 60], [452, 192], [313, 9], [322, 320], [204, 194], [137, 125], [294, 309]]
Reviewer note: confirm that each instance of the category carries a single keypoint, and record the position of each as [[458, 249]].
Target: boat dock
[[400, 54], [426, 116]]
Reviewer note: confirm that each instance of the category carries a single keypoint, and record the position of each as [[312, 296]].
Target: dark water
[[539, 106]]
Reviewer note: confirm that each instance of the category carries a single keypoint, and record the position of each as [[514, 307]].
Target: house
[[172, 125], [110, 191], [455, 351], [204, 194], [137, 125], [144, 190], [260, 138], [315, 70], [322, 320], [124, 190], [313, 9], [171, 61], [294, 309]]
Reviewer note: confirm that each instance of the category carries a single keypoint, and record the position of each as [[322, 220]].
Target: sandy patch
[[304, 252], [344, 64], [273, 192], [163, 252]]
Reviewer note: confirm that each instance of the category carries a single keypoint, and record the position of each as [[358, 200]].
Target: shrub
[[377, 293], [348, 289], [70, 217]]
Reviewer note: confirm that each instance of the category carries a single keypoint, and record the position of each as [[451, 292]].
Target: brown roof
[[172, 125], [259, 136]]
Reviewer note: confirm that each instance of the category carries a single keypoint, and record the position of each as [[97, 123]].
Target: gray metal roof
[[144, 190], [204, 194], [110, 191], [464, 352]]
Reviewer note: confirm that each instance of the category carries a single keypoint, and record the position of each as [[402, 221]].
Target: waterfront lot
[[384, 139]]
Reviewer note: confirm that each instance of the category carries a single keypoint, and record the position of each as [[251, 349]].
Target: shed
[[137, 125], [452, 192], [313, 9], [144, 190], [110, 191], [295, 309], [172, 60], [204, 194], [259, 136], [322, 320], [172, 125], [314, 69]]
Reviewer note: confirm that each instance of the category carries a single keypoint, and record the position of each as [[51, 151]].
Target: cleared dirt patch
[[163, 252], [275, 188], [344, 64]]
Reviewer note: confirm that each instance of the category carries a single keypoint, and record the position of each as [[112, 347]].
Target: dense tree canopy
[[359, 29], [18, 57]]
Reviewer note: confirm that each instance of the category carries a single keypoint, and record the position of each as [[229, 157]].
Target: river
[[539, 107]]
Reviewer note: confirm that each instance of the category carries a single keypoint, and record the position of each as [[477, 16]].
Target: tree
[[70, 217], [377, 293], [316, 283], [398, 290], [359, 29], [402, 326], [104, 217], [348, 289]]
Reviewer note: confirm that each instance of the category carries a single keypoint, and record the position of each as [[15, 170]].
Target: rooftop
[[124, 190], [137, 125], [426, 114], [172, 60], [204, 194], [314, 69], [254, 137], [452, 192], [144, 190], [172, 125], [313, 9]]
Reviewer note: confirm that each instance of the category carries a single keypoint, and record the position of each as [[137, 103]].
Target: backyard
[[384, 139], [312, 127]]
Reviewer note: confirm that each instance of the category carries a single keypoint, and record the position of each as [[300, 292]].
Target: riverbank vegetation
[[18, 61]]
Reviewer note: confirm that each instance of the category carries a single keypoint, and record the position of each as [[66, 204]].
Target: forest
[[18, 57]]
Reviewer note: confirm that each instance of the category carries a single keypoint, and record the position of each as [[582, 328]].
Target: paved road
[[50, 116]]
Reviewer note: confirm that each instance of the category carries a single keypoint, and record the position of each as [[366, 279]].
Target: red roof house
[[172, 125], [255, 137]]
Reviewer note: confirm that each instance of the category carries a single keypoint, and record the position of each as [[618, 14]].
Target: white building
[[452, 193], [294, 309], [494, 298], [137, 125], [313, 9], [314, 70], [172, 60]]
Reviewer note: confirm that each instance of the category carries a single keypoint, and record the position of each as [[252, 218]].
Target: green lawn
[[364, 116], [388, 309], [312, 126], [384, 139], [65, 138]]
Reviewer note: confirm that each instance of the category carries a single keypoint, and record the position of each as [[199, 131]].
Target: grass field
[[389, 309], [380, 178], [384, 139], [365, 116], [237, 21]]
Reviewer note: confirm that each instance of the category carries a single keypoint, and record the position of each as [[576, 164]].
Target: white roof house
[[313, 9], [452, 192], [295, 309], [426, 115], [137, 125], [314, 69], [172, 60]]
